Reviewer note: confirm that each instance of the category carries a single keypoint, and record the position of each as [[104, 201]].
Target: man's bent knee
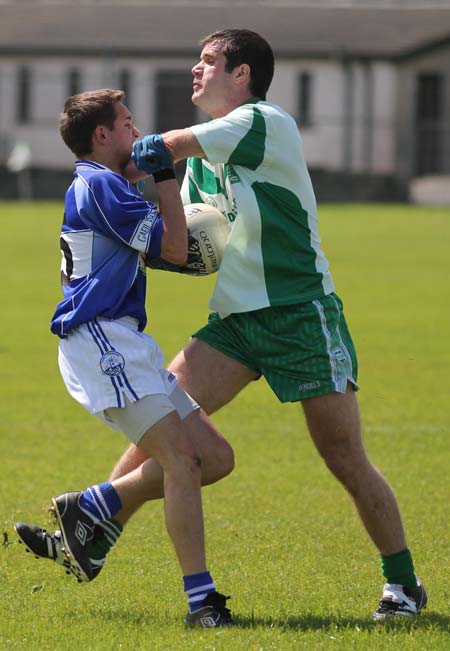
[[214, 450], [223, 461]]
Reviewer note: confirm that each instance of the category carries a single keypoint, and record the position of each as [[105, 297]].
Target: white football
[[209, 231]]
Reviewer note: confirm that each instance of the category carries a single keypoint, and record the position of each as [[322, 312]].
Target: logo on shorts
[[112, 363], [309, 386], [339, 355]]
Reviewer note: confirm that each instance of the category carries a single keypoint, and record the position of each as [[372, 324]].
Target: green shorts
[[303, 350]]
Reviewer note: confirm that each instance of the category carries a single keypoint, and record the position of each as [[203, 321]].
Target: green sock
[[110, 531], [399, 568]]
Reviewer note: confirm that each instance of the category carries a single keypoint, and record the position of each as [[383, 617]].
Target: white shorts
[[108, 363]]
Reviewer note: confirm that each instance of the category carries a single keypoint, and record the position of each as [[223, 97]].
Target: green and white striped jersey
[[255, 173]]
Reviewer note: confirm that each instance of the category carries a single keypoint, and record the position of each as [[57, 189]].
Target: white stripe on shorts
[[344, 348], [323, 321]]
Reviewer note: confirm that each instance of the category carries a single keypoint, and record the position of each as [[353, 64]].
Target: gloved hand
[[151, 155], [193, 266]]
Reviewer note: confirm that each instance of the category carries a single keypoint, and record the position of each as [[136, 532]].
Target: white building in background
[[368, 82]]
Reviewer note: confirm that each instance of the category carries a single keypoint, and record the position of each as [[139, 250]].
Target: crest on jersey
[[112, 363]]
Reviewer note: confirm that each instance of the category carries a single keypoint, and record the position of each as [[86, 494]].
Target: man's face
[[212, 85], [123, 134]]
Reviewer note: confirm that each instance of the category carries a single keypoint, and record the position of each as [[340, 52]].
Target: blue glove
[[151, 155]]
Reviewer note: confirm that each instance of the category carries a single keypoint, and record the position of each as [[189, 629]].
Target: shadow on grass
[[128, 615], [305, 622], [312, 622]]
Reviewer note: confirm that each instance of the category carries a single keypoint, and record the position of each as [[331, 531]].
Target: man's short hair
[[245, 46], [83, 113]]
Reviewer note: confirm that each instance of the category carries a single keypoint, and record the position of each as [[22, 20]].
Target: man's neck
[[104, 160], [233, 103]]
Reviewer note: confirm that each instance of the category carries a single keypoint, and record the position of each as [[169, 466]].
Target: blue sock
[[100, 502], [197, 587]]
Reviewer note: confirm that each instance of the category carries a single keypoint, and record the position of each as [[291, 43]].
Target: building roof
[[173, 28]]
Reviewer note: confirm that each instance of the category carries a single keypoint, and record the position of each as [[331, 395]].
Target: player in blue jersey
[[111, 367]]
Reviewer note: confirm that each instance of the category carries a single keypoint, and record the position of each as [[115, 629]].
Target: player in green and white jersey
[[275, 311], [273, 277]]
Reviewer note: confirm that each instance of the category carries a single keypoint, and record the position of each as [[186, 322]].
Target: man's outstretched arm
[[182, 144], [156, 152]]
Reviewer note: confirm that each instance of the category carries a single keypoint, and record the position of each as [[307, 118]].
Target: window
[[305, 100], [174, 108], [124, 83], [429, 123], [73, 81], [429, 96], [24, 95]]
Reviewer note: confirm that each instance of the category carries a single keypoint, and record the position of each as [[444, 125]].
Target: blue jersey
[[108, 228]]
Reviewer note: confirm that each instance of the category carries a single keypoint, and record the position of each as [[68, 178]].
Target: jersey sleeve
[[238, 138], [109, 204]]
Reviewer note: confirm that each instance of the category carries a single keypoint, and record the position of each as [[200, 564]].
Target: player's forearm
[[182, 144], [174, 239]]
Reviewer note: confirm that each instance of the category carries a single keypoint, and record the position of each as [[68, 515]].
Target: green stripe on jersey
[[194, 195], [250, 150], [205, 179], [286, 244]]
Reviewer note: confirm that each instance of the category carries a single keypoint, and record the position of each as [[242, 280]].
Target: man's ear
[[99, 136], [242, 73]]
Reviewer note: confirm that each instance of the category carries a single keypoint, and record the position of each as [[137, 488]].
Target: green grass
[[282, 536]]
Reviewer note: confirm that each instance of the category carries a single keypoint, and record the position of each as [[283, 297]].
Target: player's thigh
[[212, 378], [215, 452], [208, 442], [168, 442]]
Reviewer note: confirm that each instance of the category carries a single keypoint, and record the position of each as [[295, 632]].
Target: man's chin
[[196, 98]]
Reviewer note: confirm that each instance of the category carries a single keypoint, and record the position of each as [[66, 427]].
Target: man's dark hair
[[244, 46], [83, 113]]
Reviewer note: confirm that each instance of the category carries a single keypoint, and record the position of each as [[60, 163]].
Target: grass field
[[283, 538]]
